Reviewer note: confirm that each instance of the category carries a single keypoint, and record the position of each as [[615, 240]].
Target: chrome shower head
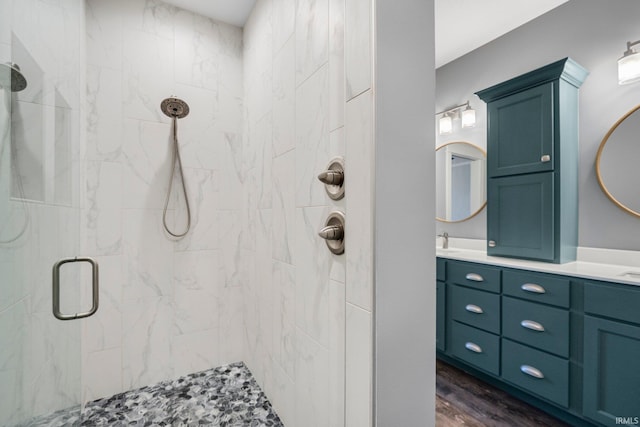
[[11, 77], [174, 107]]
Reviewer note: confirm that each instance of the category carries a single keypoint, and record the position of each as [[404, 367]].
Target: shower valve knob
[[332, 177], [332, 232]]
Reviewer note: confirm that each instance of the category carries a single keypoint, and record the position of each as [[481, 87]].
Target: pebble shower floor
[[227, 396]]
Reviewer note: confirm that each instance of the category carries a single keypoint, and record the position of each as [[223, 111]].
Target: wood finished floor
[[463, 400]]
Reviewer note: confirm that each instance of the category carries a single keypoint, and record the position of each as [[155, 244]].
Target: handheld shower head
[[174, 107], [11, 77]]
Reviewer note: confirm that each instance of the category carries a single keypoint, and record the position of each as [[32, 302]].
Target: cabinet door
[[520, 216], [520, 132], [611, 386], [440, 313]]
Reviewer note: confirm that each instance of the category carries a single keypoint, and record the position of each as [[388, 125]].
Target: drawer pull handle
[[473, 347], [534, 326], [474, 277], [531, 371], [472, 308], [533, 288], [545, 158]]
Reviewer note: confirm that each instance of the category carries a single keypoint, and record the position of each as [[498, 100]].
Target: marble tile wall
[[169, 307], [307, 312]]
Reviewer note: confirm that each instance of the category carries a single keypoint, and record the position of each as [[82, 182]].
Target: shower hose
[[176, 161]]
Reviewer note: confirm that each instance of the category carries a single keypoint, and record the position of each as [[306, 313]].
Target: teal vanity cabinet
[[532, 163], [566, 345], [440, 303], [611, 353]]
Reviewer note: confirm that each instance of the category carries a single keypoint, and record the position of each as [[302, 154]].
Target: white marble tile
[[6, 12], [284, 207], [264, 282], [146, 152], [148, 76], [231, 325], [195, 291], [284, 316], [195, 352], [233, 176], [248, 213], [312, 275], [359, 367], [284, 15], [197, 52], [258, 63], [312, 382], [336, 64], [104, 33], [263, 143], [151, 16], [28, 136], [203, 195], [284, 99], [148, 253], [312, 37], [359, 204], [337, 353], [12, 411], [102, 215], [14, 330], [283, 395], [103, 374], [103, 330], [146, 342], [357, 46], [53, 360], [312, 138]]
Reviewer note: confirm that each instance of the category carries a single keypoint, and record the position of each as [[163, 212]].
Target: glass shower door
[[41, 57]]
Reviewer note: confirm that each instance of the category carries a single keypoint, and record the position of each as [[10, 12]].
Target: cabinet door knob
[[474, 277], [531, 371], [545, 158], [473, 347], [533, 288], [472, 308], [492, 243], [534, 326]]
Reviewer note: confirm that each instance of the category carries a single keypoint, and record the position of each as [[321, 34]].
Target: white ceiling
[[233, 12], [461, 25], [465, 25]]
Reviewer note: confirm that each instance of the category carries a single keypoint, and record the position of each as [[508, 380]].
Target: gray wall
[[404, 197], [592, 32]]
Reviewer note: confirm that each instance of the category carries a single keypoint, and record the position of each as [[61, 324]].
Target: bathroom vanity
[[565, 338]]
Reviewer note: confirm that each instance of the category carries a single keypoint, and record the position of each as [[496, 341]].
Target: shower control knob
[[333, 178], [333, 232]]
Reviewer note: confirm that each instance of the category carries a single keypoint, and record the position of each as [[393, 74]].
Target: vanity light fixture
[[629, 65], [468, 116]]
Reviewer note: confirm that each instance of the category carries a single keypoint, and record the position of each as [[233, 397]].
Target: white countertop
[[610, 265]]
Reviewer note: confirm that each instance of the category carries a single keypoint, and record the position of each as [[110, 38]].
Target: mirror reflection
[[460, 181], [616, 163]]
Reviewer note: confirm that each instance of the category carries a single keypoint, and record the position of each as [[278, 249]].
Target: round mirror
[[616, 163], [460, 181]]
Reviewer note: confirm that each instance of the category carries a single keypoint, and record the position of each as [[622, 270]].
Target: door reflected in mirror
[[617, 163], [460, 181]]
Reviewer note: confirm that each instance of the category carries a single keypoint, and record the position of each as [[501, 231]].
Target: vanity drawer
[[536, 371], [540, 326], [474, 275], [537, 287], [621, 302], [476, 347], [476, 308]]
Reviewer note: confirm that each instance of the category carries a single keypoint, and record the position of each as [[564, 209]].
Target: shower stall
[[205, 256]]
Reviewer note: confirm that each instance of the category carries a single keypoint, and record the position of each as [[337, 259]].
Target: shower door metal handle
[[94, 289]]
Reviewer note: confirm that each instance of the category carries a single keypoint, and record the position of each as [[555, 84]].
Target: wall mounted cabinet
[[532, 163]]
